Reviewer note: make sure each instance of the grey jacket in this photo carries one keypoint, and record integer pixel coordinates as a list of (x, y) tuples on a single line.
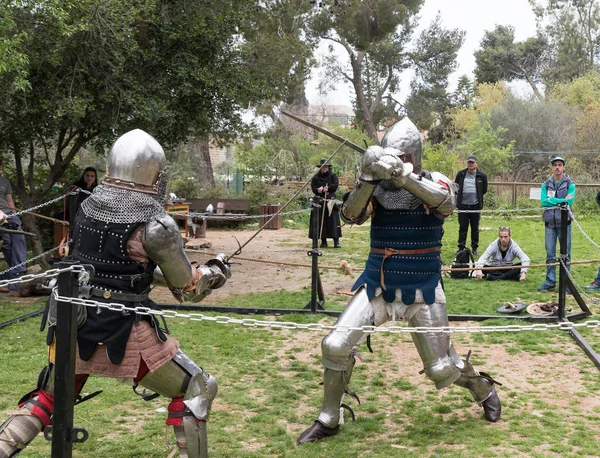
[(492, 256)]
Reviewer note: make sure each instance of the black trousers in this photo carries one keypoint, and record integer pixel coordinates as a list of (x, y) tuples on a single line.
[(508, 274), (464, 220)]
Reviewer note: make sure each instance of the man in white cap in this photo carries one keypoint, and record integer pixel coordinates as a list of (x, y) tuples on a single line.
[(556, 191)]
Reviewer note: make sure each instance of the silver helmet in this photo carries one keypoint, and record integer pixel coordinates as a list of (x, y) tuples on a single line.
[(137, 162), (404, 137)]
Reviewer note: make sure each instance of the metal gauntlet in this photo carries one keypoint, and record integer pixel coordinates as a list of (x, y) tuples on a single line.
[(439, 198)]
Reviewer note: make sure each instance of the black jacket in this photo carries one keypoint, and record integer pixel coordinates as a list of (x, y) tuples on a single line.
[(329, 179), (481, 183)]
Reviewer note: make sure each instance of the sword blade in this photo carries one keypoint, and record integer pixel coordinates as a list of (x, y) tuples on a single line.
[(330, 134)]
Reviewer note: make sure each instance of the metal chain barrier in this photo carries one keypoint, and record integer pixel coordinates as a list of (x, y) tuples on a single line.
[(47, 274), (35, 258), (581, 229), (578, 286), (30, 210), (251, 322), (507, 210)]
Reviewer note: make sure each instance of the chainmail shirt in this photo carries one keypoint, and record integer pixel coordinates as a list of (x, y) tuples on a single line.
[(115, 205), (391, 197)]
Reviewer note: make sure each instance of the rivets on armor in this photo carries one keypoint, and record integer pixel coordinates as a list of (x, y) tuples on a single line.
[(107, 295)]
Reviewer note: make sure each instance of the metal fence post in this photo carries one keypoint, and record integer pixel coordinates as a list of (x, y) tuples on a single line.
[(562, 294), (64, 365), (316, 286)]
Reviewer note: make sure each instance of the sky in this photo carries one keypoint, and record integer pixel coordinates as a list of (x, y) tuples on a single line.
[(473, 16)]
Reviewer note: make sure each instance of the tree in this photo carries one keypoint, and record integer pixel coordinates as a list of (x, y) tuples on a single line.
[(465, 119), (374, 35), (502, 59), (434, 58), (487, 144), (535, 126), (86, 71), (465, 93), (580, 92), (572, 29)]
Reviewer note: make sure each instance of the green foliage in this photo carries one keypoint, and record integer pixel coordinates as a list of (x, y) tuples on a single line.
[(501, 58), (75, 74), (572, 30), (375, 37), (438, 157), (486, 143), (259, 193), (464, 95), (580, 92), (434, 58), (549, 126)]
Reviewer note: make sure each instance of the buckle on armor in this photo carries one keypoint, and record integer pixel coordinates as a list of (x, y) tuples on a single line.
[(85, 291)]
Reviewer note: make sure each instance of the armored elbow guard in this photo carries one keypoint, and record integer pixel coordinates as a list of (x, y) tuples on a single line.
[(356, 208)]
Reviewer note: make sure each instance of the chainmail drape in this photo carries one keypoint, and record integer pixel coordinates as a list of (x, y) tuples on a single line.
[(115, 205)]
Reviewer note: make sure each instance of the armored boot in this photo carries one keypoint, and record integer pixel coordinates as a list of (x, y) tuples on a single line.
[(335, 385), (481, 386), (18, 431)]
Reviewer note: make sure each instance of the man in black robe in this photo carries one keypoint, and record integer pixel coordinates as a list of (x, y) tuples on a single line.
[(324, 185)]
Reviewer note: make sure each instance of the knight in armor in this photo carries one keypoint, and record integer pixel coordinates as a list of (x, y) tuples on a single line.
[(122, 230), (402, 278)]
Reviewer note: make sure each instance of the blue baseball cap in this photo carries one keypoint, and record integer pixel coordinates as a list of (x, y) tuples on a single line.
[(558, 158)]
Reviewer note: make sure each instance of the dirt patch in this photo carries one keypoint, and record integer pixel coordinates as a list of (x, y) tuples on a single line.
[(273, 260)]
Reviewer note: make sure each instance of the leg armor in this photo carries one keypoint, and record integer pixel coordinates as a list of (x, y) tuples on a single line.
[(192, 391), (337, 348), (433, 347), (443, 365), (35, 412)]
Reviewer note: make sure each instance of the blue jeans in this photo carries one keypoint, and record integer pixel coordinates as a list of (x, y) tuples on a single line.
[(597, 279), (14, 250), (552, 235)]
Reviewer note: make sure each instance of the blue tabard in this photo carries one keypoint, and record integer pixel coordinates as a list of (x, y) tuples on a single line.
[(404, 230)]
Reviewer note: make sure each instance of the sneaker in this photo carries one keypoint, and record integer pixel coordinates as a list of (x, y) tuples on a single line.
[(546, 287), (568, 291), (475, 253), (324, 244), (593, 286)]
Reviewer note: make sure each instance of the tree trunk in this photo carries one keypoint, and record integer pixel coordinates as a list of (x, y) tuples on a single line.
[(200, 160), (361, 99), (536, 91)]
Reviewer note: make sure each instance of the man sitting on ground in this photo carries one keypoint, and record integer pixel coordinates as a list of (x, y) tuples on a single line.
[(501, 253)]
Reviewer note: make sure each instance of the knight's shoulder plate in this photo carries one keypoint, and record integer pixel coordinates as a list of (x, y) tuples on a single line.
[(161, 235)]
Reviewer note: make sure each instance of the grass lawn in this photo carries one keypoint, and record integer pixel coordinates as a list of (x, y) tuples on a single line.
[(269, 379)]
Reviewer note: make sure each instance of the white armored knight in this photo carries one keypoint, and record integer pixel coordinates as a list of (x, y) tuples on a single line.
[(402, 278), (122, 230)]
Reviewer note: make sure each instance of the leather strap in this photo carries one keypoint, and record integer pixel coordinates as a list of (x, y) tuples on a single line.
[(126, 297), (387, 252)]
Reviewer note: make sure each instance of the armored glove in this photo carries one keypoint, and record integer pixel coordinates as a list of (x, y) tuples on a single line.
[(384, 164), (220, 269)]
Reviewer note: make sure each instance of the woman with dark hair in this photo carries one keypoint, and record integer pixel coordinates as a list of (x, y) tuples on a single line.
[(86, 184)]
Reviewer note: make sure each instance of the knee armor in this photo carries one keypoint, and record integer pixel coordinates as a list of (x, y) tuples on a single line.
[(192, 391)]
